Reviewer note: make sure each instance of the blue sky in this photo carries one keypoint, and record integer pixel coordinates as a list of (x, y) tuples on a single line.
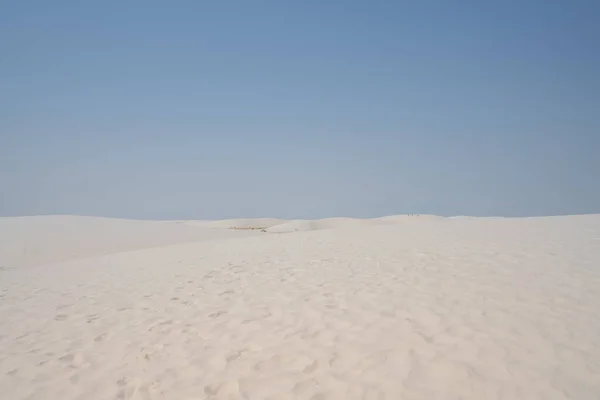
[(198, 109)]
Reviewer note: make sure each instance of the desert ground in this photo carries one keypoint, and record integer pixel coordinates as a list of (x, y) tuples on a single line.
[(399, 308)]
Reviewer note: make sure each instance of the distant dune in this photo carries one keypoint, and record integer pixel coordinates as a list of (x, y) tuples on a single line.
[(399, 307), (27, 241), (37, 240), (247, 223)]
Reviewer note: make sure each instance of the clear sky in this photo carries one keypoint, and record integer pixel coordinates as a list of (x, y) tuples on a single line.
[(217, 109)]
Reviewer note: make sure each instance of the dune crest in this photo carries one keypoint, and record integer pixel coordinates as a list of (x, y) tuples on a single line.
[(39, 240)]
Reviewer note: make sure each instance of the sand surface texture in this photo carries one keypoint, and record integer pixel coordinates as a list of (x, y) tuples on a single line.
[(391, 308)]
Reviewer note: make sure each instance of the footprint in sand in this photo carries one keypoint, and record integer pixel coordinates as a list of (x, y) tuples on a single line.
[(101, 338)]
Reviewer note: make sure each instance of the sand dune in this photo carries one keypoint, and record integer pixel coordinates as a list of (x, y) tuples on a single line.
[(302, 225), (400, 308), (246, 223), (28, 241)]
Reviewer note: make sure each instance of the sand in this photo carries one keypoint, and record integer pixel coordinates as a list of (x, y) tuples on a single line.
[(401, 307)]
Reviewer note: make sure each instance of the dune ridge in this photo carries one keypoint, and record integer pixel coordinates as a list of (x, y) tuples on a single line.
[(38, 240)]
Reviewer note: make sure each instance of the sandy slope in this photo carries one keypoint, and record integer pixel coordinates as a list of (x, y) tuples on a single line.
[(28, 241), (422, 308)]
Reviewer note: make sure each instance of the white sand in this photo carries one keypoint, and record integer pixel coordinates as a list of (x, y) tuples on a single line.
[(28, 241), (393, 308)]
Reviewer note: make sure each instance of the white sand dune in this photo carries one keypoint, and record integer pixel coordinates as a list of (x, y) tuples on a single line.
[(246, 223), (300, 225), (411, 308), (28, 241)]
